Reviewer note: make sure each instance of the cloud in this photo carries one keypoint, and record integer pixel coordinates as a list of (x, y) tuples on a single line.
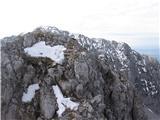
[(95, 18)]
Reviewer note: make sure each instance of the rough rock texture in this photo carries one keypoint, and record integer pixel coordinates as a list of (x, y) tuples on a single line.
[(103, 77)]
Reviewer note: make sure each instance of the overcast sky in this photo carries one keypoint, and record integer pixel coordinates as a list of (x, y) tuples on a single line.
[(131, 21)]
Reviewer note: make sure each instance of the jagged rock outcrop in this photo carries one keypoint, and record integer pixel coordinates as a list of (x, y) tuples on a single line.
[(102, 77)]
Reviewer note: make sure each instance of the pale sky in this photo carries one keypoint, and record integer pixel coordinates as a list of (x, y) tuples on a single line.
[(121, 20)]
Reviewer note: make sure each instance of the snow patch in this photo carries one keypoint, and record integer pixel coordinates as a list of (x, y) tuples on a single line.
[(40, 49), (144, 61), (144, 69), (139, 71), (154, 92), (140, 63), (149, 87), (146, 85), (63, 103), (101, 56), (83, 53), (27, 97), (74, 35), (50, 29), (150, 110), (121, 55)]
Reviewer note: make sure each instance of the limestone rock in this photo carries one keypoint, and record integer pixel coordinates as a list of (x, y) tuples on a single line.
[(110, 81), (48, 104)]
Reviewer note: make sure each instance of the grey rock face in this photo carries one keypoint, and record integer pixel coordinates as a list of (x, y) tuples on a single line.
[(47, 102), (100, 76), (143, 71)]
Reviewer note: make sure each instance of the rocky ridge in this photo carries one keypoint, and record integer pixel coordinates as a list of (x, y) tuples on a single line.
[(102, 76)]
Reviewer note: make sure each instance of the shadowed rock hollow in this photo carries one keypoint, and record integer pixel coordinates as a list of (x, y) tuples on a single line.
[(103, 85)]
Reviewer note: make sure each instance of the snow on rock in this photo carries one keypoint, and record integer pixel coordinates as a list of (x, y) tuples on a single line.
[(144, 62), (149, 87), (154, 92), (63, 103), (144, 69), (140, 63), (27, 97), (146, 84), (150, 110), (50, 29), (101, 56), (139, 71), (121, 55), (83, 53), (74, 35), (40, 49)]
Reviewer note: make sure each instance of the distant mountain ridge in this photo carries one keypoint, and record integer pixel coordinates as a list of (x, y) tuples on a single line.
[(153, 52), (142, 70)]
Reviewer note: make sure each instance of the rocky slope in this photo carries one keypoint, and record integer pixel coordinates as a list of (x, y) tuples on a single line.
[(50, 74)]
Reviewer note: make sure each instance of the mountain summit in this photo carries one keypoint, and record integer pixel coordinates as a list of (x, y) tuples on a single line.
[(50, 74)]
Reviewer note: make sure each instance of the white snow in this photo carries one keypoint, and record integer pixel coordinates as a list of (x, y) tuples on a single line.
[(144, 61), (74, 35), (50, 29), (144, 69), (154, 92), (41, 50), (83, 53), (145, 81), (149, 87), (146, 84), (114, 66), (122, 69), (27, 97), (101, 56), (152, 85), (150, 110), (140, 63), (63, 103), (121, 55), (139, 71)]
